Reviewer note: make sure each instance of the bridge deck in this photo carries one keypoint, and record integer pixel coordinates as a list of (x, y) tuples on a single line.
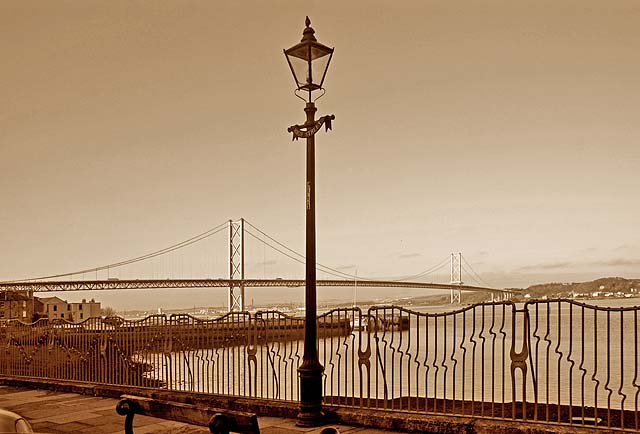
[(112, 284)]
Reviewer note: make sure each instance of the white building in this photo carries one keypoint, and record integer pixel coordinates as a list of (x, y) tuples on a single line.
[(56, 308)]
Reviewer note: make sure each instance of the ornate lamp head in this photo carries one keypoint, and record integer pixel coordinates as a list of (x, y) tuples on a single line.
[(309, 61)]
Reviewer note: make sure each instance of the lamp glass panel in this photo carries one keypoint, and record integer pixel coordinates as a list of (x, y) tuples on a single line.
[(319, 69), (300, 70)]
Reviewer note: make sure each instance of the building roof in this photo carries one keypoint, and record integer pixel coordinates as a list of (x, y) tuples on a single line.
[(15, 295), (50, 299)]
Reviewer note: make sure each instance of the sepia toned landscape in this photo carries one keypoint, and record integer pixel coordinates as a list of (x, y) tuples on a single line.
[(320, 217)]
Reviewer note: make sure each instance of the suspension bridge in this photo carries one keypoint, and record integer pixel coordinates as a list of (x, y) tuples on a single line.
[(236, 280)]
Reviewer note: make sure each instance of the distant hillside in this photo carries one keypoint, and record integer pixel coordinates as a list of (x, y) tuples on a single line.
[(600, 288), (607, 286)]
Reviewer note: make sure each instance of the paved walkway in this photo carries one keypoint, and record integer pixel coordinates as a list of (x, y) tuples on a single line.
[(58, 412)]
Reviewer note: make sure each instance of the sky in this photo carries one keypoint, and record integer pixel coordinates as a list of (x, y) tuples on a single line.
[(506, 130)]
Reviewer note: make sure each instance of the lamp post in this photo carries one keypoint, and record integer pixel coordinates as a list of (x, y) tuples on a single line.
[(309, 61)]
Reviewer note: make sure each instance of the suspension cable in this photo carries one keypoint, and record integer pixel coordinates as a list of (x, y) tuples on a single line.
[(323, 268), (301, 261), (333, 271), (274, 244), (480, 279), (169, 249)]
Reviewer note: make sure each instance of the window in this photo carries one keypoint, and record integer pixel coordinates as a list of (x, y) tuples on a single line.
[(68, 307), (55, 307), (24, 304), (24, 314), (81, 315), (80, 306), (61, 315)]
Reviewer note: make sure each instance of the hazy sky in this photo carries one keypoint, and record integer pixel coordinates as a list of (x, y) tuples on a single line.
[(508, 130)]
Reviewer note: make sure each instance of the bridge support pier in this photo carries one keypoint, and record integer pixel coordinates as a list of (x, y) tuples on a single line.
[(456, 295), (456, 277), (236, 265)]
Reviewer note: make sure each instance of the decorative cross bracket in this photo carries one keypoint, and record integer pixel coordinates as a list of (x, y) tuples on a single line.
[(306, 131)]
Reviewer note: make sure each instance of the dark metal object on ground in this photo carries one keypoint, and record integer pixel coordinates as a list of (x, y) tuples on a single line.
[(218, 421)]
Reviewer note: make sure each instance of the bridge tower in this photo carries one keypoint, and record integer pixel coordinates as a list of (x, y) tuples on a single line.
[(456, 276), (236, 265)]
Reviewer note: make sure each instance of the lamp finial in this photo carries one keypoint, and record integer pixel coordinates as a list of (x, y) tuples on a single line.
[(307, 33)]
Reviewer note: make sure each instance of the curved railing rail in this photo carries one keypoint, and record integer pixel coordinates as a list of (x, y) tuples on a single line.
[(551, 361)]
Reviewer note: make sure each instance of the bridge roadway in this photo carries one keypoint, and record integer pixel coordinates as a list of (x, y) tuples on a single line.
[(111, 284)]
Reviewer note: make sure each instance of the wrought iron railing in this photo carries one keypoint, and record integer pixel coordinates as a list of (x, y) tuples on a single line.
[(559, 362)]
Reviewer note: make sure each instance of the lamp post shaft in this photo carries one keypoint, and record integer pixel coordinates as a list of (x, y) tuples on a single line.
[(310, 347), (310, 371)]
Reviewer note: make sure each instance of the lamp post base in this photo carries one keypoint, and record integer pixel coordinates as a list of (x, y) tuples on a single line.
[(311, 414)]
